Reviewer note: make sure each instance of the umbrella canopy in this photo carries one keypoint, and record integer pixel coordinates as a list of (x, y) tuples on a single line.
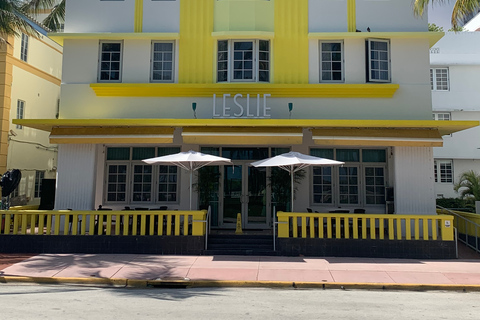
[(190, 161), (293, 162)]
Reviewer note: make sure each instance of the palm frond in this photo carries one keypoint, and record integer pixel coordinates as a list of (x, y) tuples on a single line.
[(462, 9), (12, 21), (56, 18)]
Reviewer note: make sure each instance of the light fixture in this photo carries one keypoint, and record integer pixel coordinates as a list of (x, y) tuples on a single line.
[(194, 108), (290, 108)]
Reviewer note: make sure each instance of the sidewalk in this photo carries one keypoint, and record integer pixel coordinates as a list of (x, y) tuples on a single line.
[(243, 270)]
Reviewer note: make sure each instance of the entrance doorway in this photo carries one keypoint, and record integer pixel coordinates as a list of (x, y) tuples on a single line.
[(245, 191)]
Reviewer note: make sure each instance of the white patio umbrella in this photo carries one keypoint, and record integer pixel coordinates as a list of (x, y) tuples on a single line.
[(293, 162), (190, 161)]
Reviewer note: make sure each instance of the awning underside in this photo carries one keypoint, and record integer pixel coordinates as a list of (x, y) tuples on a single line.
[(421, 133)]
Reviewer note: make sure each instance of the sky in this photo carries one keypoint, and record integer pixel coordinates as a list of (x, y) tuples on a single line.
[(441, 14)]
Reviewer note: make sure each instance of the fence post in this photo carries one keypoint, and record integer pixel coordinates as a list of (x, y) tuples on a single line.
[(282, 224)]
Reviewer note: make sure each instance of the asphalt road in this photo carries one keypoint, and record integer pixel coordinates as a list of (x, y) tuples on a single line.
[(68, 302)]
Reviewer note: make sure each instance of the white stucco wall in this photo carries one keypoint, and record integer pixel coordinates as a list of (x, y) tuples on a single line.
[(327, 16), (414, 190), (76, 178), (84, 16), (377, 15), (161, 16)]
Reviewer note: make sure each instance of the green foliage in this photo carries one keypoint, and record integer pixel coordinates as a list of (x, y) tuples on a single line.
[(469, 186), (280, 183), (460, 11), (457, 29), (451, 203), (432, 27), (207, 185)]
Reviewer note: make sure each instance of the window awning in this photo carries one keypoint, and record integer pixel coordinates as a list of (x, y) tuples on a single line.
[(111, 135), (378, 137), (242, 136)]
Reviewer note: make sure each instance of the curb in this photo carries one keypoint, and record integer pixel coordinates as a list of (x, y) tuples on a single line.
[(106, 282)]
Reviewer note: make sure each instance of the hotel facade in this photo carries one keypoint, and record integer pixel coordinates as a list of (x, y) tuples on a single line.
[(341, 79)]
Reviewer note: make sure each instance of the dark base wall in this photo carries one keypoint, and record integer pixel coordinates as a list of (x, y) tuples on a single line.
[(181, 245), (400, 249)]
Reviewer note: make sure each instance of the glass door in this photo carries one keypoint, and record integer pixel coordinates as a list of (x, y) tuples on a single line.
[(257, 198), (232, 193), (245, 191)]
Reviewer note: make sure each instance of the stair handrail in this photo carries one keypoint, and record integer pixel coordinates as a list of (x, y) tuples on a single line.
[(466, 222), (207, 227)]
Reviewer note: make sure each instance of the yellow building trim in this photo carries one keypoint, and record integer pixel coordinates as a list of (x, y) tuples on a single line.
[(138, 24), (432, 37), (352, 15), (60, 37), (242, 136), (196, 55), (239, 35), (323, 90), (6, 72), (443, 127), (290, 48), (35, 71)]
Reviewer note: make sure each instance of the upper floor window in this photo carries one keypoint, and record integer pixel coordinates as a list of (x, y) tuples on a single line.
[(110, 62), (24, 48), (439, 79), (331, 61), (243, 60), (162, 62), (378, 60), (443, 171), (442, 116), (20, 112)]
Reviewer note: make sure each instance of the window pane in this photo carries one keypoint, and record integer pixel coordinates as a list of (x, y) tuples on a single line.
[(374, 155), (322, 153), (348, 155), (118, 153)]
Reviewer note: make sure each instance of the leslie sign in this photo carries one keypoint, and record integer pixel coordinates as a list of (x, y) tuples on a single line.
[(240, 106)]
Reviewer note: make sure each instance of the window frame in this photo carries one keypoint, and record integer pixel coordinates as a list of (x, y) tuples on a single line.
[(152, 61), (20, 112), (438, 115), (439, 176), (361, 166), (130, 180), (369, 43), (39, 176), (100, 61), (342, 61), (24, 47), (434, 79), (255, 61)]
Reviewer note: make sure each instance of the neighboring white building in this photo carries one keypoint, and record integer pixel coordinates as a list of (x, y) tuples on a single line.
[(30, 72), (455, 69), (246, 80)]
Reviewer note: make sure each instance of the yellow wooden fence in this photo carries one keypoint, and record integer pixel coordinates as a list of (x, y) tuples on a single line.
[(365, 226), (119, 223)]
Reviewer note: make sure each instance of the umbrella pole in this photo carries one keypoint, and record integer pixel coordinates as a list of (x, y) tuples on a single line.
[(291, 177), (191, 182)]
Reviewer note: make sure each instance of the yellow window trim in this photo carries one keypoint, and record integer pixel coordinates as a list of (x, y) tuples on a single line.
[(323, 90), (432, 37)]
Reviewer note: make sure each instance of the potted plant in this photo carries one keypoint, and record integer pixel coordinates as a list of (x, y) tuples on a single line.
[(281, 187)]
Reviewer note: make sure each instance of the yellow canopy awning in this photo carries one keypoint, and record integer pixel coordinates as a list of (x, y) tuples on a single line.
[(249, 131), (379, 137)]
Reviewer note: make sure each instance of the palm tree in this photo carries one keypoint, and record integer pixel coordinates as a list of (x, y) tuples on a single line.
[(56, 17), (470, 185), (12, 22), (461, 9)]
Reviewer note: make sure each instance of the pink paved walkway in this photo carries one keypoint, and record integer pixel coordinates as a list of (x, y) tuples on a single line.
[(247, 268)]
